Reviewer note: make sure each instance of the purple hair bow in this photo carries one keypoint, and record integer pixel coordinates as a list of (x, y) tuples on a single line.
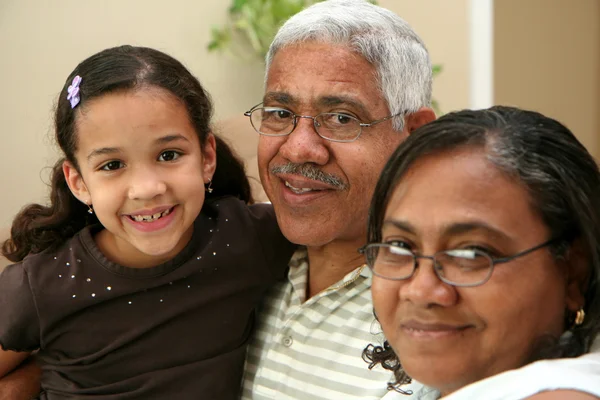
[(73, 90)]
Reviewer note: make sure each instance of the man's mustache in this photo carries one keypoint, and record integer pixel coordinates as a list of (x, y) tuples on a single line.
[(310, 171)]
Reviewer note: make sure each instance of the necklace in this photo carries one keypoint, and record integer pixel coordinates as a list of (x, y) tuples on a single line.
[(349, 281)]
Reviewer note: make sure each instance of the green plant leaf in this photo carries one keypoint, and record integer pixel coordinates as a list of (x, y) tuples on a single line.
[(283, 10), (220, 38), (237, 6)]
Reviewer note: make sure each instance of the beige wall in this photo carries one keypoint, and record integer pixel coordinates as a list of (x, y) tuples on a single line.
[(42, 41), (547, 58), (443, 26)]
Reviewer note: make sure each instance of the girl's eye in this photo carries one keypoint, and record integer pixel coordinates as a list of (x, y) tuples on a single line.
[(112, 166), (169, 155)]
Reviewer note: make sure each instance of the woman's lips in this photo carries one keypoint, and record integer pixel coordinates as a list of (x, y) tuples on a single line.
[(432, 330)]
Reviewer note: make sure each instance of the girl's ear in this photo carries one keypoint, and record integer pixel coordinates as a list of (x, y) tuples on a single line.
[(209, 158), (76, 183), (577, 275)]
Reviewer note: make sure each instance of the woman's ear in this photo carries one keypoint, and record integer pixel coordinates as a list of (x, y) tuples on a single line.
[(209, 158), (422, 116), (577, 274), (76, 183)]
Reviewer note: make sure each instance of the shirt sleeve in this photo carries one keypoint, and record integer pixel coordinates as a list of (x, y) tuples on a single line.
[(581, 374), (19, 322), (277, 249)]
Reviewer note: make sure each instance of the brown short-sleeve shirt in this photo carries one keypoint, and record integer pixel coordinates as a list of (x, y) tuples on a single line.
[(177, 330)]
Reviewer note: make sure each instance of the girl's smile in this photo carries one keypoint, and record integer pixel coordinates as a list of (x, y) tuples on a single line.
[(153, 220)]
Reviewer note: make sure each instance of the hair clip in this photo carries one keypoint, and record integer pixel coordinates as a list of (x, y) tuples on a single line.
[(73, 90)]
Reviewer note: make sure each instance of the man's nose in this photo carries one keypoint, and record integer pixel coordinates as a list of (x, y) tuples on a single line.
[(305, 145)]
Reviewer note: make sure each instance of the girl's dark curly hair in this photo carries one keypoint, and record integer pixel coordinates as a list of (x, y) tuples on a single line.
[(38, 227), (560, 175)]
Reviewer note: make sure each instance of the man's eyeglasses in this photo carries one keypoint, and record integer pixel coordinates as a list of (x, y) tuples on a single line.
[(337, 127), (457, 267)]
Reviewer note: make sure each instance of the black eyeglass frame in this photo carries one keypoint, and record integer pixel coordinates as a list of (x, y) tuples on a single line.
[(436, 266), (315, 123)]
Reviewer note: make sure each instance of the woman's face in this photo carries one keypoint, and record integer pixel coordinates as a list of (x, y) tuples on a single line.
[(445, 336)]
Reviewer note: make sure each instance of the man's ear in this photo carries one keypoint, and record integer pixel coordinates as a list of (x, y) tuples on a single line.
[(76, 183), (209, 157), (419, 118), (577, 274)]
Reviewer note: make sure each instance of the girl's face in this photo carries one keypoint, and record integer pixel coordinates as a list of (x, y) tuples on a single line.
[(143, 171), (446, 336)]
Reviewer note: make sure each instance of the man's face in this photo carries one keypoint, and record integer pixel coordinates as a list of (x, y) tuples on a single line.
[(309, 79)]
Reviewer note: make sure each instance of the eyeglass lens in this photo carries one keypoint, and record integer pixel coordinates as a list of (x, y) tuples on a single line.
[(460, 266), (278, 121)]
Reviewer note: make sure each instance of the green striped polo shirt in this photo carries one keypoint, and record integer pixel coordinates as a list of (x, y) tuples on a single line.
[(313, 349)]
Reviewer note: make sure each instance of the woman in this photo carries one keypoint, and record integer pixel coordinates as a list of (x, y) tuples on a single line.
[(484, 242)]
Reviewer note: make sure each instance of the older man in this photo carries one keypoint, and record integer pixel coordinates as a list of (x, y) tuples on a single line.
[(346, 82)]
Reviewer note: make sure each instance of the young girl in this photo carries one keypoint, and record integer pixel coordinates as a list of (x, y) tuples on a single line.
[(134, 282)]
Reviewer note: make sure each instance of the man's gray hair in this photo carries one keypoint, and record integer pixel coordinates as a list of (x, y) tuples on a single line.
[(384, 39)]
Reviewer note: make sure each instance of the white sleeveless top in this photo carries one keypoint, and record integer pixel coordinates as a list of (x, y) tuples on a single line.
[(581, 374)]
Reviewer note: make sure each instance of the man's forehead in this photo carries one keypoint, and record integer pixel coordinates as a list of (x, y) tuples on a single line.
[(318, 75)]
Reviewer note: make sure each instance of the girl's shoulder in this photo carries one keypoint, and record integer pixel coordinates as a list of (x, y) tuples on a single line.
[(229, 219), (230, 214), (46, 259), (229, 206)]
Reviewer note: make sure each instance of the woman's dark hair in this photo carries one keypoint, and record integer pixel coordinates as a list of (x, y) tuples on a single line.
[(560, 176), (123, 68)]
